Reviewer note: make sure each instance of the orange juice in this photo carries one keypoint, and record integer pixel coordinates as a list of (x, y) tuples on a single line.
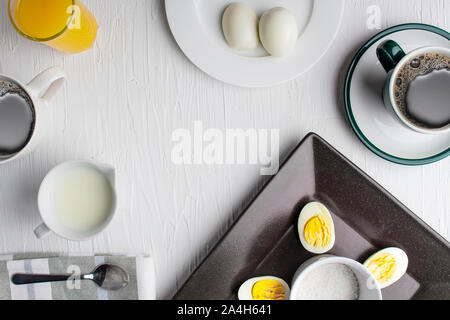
[(66, 25)]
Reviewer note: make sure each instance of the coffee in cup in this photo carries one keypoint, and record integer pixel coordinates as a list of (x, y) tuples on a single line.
[(422, 90), (417, 89)]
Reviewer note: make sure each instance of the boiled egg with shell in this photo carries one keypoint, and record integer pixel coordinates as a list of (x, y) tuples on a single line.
[(264, 288), (278, 31), (387, 265), (240, 27), (316, 228)]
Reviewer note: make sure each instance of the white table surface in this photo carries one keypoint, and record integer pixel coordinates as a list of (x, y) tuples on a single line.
[(123, 100)]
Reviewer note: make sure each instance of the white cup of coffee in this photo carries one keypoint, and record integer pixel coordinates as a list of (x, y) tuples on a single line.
[(417, 89), (77, 200), (24, 114)]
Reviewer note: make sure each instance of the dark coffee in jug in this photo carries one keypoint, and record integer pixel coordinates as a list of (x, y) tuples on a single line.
[(17, 117)]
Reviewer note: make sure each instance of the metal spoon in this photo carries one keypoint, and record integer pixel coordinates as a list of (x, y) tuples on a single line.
[(106, 276)]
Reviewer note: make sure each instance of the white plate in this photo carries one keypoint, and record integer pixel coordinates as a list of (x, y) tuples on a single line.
[(196, 26), (375, 127)]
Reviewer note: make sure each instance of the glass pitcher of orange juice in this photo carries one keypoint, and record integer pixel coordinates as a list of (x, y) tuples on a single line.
[(66, 25)]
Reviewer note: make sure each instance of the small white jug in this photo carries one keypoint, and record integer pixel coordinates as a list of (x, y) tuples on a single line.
[(51, 219), (40, 90)]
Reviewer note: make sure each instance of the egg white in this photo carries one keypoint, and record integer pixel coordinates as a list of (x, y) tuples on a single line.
[(310, 210), (402, 264), (278, 31), (240, 27), (245, 290)]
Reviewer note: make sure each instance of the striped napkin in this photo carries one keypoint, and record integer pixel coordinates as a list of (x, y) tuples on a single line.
[(140, 269)]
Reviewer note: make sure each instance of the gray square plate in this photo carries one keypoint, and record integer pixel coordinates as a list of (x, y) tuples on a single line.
[(264, 240)]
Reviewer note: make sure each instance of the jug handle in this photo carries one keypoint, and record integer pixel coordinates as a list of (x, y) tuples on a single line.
[(47, 83), (108, 171)]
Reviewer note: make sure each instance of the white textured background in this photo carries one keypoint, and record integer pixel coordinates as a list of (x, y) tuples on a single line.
[(124, 98)]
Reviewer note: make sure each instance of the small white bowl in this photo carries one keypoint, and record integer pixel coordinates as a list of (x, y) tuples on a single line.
[(368, 286)]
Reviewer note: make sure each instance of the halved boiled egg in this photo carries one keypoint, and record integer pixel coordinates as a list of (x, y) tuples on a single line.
[(264, 288), (387, 265), (316, 228)]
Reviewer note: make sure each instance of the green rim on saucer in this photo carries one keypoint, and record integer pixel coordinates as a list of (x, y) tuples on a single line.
[(348, 106)]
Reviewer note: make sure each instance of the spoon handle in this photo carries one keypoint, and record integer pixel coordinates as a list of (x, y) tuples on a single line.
[(27, 278)]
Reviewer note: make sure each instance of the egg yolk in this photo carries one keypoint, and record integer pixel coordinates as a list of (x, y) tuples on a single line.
[(383, 267), (317, 231), (268, 290)]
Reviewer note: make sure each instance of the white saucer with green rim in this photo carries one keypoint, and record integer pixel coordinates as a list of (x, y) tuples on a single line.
[(197, 28), (374, 126)]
